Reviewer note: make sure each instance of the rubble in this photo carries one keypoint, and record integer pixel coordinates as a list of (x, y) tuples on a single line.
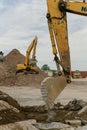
[(83, 110), (73, 122), (66, 118), (23, 125), (53, 126)]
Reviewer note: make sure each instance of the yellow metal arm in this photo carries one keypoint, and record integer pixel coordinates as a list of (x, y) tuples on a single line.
[(52, 36), (32, 47), (57, 23), (73, 7)]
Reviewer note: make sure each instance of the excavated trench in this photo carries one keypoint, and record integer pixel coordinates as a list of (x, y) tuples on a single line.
[(60, 113)]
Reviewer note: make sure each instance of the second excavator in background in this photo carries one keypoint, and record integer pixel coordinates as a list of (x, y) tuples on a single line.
[(30, 64), (1, 56), (57, 10)]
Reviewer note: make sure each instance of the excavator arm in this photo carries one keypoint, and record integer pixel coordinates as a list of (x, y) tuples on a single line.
[(57, 23), (59, 36), (31, 48)]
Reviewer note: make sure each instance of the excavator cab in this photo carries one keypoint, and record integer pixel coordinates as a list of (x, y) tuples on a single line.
[(30, 64), (33, 62)]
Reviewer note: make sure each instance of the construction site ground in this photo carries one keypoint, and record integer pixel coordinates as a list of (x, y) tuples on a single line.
[(30, 104), (29, 96), (21, 100)]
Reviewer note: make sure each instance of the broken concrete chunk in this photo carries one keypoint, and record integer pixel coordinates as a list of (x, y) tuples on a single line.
[(53, 126), (23, 125), (83, 110), (5, 106), (73, 122)]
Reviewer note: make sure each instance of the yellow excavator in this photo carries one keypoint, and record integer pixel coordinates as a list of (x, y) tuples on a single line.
[(29, 65), (57, 10)]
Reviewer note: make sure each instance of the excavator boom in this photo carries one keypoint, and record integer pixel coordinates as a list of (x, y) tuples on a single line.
[(58, 31), (32, 47), (57, 24)]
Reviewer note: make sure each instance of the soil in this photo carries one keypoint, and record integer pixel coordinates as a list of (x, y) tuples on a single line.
[(8, 78), (8, 75), (61, 112), (40, 114)]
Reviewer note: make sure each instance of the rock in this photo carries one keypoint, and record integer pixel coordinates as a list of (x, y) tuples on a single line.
[(23, 125), (0, 118), (14, 109), (8, 99), (53, 126), (5, 106), (84, 128), (81, 128), (73, 122), (51, 115), (82, 103), (83, 110), (3, 97), (69, 113), (73, 105)]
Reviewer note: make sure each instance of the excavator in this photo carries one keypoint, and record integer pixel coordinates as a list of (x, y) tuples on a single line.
[(56, 16), (1, 56), (29, 65)]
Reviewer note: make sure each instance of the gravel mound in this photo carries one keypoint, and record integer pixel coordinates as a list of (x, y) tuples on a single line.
[(8, 70)]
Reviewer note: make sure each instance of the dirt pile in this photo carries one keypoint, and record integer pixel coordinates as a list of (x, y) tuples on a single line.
[(12, 59), (8, 70)]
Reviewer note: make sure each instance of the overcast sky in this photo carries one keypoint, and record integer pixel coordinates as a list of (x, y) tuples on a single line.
[(21, 20)]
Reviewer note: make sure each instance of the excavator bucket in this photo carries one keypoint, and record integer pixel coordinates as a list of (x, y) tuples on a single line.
[(51, 87)]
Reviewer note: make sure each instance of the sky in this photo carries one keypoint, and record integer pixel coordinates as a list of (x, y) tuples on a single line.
[(22, 20)]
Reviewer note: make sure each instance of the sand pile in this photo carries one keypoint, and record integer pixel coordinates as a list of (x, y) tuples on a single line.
[(12, 59), (8, 70)]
